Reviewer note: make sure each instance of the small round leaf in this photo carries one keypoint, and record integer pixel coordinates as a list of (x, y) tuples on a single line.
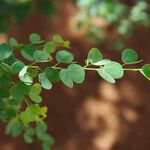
[(106, 76), (129, 56), (76, 73), (65, 78), (114, 69), (34, 38), (94, 55), (64, 56), (5, 51), (49, 47), (41, 56), (17, 67), (146, 71)]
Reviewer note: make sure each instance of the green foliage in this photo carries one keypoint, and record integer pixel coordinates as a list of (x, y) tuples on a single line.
[(21, 81), (145, 70), (120, 15), (45, 82), (28, 51), (18, 10)]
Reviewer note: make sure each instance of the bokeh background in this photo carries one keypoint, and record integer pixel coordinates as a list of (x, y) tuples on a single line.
[(95, 115)]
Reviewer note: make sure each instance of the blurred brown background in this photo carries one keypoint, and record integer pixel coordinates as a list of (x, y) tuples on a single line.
[(95, 115)]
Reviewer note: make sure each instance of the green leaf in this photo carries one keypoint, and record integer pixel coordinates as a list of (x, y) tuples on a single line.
[(19, 90), (17, 130), (10, 60), (76, 73), (35, 98), (49, 47), (52, 74), (5, 51), (5, 67), (106, 76), (17, 67), (16, 95), (5, 81), (4, 93), (111, 71), (41, 56), (33, 71), (64, 56), (28, 135), (65, 78), (23, 71), (45, 82), (13, 42), (66, 44), (43, 111), (36, 88), (23, 88), (33, 113), (145, 70), (114, 69), (26, 79), (41, 129), (34, 93), (28, 52), (58, 39), (129, 56), (14, 128), (34, 38), (3, 105), (102, 62), (24, 76), (94, 55)]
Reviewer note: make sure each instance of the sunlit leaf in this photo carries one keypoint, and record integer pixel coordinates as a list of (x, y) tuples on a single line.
[(106, 76), (45, 82), (94, 55), (65, 78), (76, 73)]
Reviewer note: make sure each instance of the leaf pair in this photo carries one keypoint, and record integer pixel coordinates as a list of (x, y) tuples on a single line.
[(31, 53), (111, 71), (129, 56), (14, 128), (35, 90), (19, 91), (73, 73), (33, 113), (58, 39)]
